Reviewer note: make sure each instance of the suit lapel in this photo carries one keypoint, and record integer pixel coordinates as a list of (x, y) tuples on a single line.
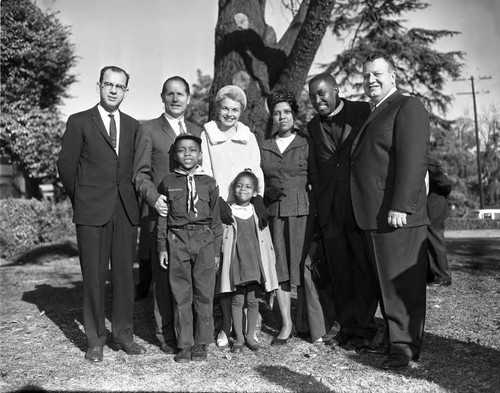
[(97, 120), (125, 135), (165, 126), (323, 134), (373, 114), (190, 127)]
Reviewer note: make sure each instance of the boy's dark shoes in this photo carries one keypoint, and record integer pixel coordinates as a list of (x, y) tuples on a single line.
[(168, 348), (226, 215), (184, 356), (199, 353), (261, 211), (237, 348), (94, 354), (395, 361), (132, 348)]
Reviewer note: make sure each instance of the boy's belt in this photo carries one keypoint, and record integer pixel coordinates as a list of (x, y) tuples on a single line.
[(193, 227)]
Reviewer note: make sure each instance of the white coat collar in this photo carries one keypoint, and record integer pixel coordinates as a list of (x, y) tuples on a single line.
[(216, 136)]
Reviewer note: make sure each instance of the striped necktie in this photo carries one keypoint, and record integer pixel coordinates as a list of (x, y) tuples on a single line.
[(181, 128)]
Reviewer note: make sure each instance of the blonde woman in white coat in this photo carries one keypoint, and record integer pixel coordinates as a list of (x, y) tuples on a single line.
[(229, 147)]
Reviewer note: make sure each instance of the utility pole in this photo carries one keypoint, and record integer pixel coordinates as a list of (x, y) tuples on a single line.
[(478, 152)]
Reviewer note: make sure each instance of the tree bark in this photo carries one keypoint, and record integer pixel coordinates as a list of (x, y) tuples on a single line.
[(247, 54)]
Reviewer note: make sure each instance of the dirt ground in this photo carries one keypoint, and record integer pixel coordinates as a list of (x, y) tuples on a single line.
[(43, 343)]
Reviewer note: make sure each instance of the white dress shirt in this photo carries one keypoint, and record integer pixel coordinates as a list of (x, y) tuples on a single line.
[(174, 123), (107, 120)]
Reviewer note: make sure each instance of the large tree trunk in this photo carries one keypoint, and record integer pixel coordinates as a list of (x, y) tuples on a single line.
[(247, 54)]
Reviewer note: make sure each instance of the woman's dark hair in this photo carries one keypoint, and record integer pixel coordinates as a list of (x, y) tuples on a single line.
[(282, 96)]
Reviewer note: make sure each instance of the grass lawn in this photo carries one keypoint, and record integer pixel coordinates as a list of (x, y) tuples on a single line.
[(42, 340)]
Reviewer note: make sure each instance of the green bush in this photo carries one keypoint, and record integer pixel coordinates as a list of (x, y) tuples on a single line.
[(454, 224), (25, 223)]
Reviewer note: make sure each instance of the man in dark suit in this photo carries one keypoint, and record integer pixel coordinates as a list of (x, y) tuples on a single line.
[(438, 269), (95, 166), (332, 131), (388, 167), (153, 161)]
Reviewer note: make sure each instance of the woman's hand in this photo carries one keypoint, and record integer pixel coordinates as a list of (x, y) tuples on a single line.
[(163, 256), (274, 194)]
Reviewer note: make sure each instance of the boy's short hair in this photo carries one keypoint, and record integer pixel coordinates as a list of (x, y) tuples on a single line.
[(186, 135)]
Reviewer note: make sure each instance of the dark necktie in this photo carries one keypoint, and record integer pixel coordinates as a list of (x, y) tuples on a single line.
[(112, 131), (181, 128)]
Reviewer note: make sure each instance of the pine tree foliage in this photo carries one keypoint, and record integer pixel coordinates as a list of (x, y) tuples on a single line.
[(421, 70)]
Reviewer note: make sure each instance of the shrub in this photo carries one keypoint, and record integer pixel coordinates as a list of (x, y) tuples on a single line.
[(25, 223), (454, 224)]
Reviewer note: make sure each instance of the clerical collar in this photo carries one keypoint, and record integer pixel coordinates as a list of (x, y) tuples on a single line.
[(337, 110)]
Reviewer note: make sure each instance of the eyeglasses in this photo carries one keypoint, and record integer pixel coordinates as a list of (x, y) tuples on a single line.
[(109, 86)]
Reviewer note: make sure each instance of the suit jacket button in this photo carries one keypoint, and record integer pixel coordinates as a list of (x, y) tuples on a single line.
[(118, 183)]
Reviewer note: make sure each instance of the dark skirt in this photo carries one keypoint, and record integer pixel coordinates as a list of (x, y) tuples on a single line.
[(291, 238), (246, 266)]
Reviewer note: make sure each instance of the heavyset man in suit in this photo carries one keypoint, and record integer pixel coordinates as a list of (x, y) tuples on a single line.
[(388, 168), (153, 161), (95, 166), (332, 131)]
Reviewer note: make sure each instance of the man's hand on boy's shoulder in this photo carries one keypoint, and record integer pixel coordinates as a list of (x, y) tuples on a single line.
[(217, 264), (161, 206)]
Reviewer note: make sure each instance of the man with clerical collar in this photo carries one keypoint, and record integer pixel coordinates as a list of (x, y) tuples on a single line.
[(332, 132)]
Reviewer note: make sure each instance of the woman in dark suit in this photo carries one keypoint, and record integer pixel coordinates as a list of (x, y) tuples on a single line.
[(285, 160)]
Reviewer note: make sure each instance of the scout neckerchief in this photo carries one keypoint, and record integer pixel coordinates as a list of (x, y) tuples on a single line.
[(192, 198)]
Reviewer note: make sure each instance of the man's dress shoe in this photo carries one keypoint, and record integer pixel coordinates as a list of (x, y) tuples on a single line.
[(132, 348), (94, 354), (395, 361), (341, 339), (367, 347)]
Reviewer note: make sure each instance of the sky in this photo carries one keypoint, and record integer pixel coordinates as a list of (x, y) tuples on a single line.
[(155, 39)]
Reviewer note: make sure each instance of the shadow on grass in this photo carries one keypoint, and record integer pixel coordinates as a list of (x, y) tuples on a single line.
[(290, 380), (452, 364), (64, 306), (480, 257), (46, 253)]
